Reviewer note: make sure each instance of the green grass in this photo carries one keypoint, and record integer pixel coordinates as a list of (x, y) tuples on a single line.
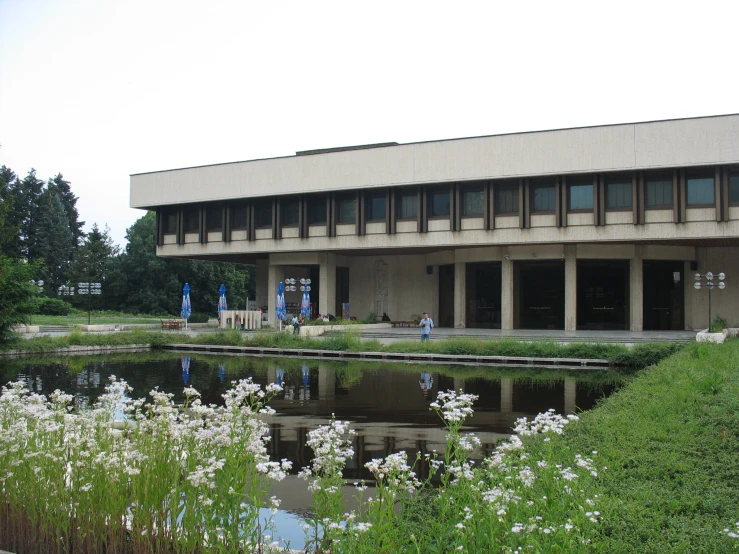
[(670, 440), (639, 356), (94, 320)]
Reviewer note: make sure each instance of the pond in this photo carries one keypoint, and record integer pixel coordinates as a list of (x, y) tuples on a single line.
[(387, 403)]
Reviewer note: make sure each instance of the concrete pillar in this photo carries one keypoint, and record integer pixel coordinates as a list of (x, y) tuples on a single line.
[(570, 395), (272, 374), (276, 274), (570, 252), (506, 293), (460, 295), (326, 385), (636, 290), (262, 283), (459, 384), (327, 292), (506, 395)]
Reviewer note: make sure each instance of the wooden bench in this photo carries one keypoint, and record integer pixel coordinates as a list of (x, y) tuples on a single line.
[(404, 323), (171, 324)]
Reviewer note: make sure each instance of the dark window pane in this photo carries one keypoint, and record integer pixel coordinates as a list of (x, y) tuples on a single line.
[(347, 210), (544, 199), (473, 202), (214, 218), (317, 211), (169, 221), (506, 200), (581, 197), (439, 204), (618, 195), (192, 219), (263, 214), (376, 208), (407, 206), (700, 190), (238, 214), (734, 188), (289, 215), (659, 193)]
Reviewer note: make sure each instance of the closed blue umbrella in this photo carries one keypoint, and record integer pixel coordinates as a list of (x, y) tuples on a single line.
[(222, 300), (280, 312), (186, 369), (222, 372), (186, 310), (305, 304)]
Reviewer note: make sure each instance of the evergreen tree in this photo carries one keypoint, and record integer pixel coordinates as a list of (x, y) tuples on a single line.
[(53, 240), (69, 200), (27, 211), (93, 258), (9, 227)]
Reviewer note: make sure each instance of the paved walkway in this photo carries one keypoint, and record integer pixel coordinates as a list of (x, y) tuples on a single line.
[(628, 337)]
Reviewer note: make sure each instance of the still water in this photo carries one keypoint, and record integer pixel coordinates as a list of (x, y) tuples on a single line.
[(388, 403)]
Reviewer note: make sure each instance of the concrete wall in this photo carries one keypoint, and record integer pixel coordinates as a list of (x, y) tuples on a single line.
[(723, 302), (699, 141)]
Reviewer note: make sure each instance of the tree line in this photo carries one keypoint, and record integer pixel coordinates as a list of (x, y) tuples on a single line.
[(42, 238)]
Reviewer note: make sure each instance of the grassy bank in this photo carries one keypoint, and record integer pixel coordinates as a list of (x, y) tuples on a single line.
[(670, 441), (641, 355)]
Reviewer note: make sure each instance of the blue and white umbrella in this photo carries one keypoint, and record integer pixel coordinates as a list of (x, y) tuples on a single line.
[(222, 306), (305, 304), (186, 369), (222, 372), (280, 312), (186, 310)]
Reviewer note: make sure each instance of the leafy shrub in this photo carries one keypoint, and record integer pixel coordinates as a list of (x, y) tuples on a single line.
[(199, 318), (223, 337), (53, 306), (718, 324)]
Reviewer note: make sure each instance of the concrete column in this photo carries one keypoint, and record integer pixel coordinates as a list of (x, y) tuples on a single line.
[(570, 252), (506, 395), (326, 385), (570, 395), (276, 274), (636, 290), (272, 374), (506, 292), (460, 295), (327, 292), (459, 384)]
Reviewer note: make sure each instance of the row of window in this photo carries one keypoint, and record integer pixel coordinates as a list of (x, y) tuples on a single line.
[(618, 196)]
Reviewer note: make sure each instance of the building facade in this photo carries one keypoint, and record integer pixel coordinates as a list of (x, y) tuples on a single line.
[(587, 228)]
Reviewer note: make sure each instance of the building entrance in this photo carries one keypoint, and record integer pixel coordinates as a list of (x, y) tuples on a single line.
[(483, 284), (541, 294), (446, 296), (603, 294), (664, 296)]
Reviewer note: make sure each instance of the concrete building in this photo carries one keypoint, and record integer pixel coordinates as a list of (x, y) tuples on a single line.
[(587, 228)]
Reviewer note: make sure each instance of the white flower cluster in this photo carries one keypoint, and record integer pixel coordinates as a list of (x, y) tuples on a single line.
[(394, 472), (548, 422), (454, 407), (331, 448), (733, 534)]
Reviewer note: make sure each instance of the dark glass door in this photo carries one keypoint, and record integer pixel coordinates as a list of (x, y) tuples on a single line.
[(664, 296), (541, 295), (446, 296)]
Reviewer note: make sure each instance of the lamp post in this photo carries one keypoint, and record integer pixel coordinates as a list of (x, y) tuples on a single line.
[(89, 289), (40, 285), (291, 286), (710, 285)]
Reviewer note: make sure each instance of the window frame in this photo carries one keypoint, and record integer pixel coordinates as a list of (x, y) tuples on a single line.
[(658, 178), (532, 191), (209, 210), (169, 215), (267, 203), (312, 203), (368, 199), (624, 180), (574, 184), (476, 190), (239, 208), (733, 174), (346, 198), (700, 176), (515, 191), (186, 212), (285, 203), (438, 191), (399, 204)]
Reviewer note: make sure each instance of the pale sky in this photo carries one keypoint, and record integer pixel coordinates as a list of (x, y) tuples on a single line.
[(101, 89)]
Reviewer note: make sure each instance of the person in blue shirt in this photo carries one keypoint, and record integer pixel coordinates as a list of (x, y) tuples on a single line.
[(426, 325)]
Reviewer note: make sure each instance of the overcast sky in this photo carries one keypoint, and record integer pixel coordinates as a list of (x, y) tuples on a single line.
[(101, 89)]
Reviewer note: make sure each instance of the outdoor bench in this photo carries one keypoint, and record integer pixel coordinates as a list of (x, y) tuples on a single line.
[(172, 324)]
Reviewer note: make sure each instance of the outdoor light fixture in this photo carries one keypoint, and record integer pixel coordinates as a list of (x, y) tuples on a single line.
[(562, 256), (710, 285), (89, 289), (507, 256), (40, 285)]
